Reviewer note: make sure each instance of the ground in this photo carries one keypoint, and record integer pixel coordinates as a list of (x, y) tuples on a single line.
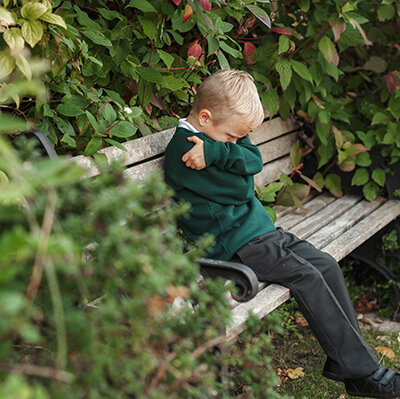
[(301, 349)]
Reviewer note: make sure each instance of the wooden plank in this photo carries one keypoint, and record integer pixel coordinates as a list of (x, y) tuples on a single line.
[(277, 148), (271, 129), (313, 206), (343, 223), (272, 171), (363, 230), (140, 172), (313, 223), (265, 302), (138, 150)]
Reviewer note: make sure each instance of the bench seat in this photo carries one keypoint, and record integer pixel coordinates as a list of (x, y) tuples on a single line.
[(334, 225)]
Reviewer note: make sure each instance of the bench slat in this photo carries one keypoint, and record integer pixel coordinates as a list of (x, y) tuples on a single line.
[(141, 171), (271, 129), (313, 223), (265, 302), (363, 230), (277, 148), (296, 216), (272, 171), (343, 223)]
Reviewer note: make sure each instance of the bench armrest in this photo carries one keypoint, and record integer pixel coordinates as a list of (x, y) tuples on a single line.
[(244, 278)]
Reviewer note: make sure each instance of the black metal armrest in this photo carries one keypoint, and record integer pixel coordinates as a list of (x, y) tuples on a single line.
[(244, 278), (46, 144)]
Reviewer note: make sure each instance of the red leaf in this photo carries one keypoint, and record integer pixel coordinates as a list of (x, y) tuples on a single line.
[(148, 108), (177, 2), (282, 31), (187, 13), (195, 50), (392, 80), (206, 5), (249, 51), (250, 21)]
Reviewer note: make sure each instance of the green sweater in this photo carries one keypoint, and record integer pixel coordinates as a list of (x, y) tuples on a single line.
[(221, 195)]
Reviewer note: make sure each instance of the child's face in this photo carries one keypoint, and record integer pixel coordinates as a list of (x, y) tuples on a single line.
[(229, 130)]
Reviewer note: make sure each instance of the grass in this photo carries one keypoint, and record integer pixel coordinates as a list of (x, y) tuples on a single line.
[(301, 349), (295, 346)]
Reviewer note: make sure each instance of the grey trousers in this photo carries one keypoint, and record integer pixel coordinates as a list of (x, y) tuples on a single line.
[(315, 280)]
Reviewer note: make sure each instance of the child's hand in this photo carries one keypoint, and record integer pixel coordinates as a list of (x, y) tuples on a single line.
[(195, 157)]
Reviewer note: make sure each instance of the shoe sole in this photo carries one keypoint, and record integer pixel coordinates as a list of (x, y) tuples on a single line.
[(368, 395)]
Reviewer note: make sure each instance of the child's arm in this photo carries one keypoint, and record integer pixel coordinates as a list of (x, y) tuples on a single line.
[(242, 158), (195, 158)]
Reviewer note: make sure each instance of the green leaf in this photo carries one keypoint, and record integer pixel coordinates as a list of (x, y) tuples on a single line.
[(363, 159), (7, 64), (11, 124), (375, 64), (69, 110), (319, 179), (110, 14), (385, 12), (148, 26), (260, 14), (379, 176), (271, 212), (33, 10), (6, 17), (360, 177), (109, 114), (65, 127), (68, 140), (295, 154), (97, 38), (223, 62), (150, 75), (53, 19), (381, 117), (93, 146), (93, 121), (142, 5), (123, 129), (334, 185), (328, 50), (283, 67), (166, 57), (14, 39), (268, 193), (32, 31), (115, 97), (116, 144), (23, 65), (371, 191), (271, 100), (284, 44), (302, 70)]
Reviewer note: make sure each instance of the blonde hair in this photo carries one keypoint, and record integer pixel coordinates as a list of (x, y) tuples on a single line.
[(228, 92)]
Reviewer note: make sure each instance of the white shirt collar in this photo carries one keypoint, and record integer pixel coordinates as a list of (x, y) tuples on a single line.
[(185, 124)]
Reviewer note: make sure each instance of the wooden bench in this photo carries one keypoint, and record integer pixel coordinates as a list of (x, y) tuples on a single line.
[(336, 226)]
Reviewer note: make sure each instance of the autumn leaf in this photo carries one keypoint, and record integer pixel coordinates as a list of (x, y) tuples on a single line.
[(176, 291), (195, 50), (392, 80), (249, 51), (293, 374), (206, 5), (282, 31), (177, 2), (187, 13), (385, 351)]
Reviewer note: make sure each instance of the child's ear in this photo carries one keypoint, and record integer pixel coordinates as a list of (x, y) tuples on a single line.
[(204, 116)]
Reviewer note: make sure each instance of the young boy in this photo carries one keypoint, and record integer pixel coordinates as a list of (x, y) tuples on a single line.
[(210, 162)]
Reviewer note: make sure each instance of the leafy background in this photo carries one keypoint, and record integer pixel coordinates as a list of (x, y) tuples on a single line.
[(93, 73)]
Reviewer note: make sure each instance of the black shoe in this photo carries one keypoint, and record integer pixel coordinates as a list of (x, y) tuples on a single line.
[(383, 383)]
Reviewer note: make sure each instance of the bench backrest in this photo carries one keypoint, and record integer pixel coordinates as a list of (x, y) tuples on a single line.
[(144, 155)]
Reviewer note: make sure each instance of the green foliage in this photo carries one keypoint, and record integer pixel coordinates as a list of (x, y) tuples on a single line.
[(119, 70), (97, 298)]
